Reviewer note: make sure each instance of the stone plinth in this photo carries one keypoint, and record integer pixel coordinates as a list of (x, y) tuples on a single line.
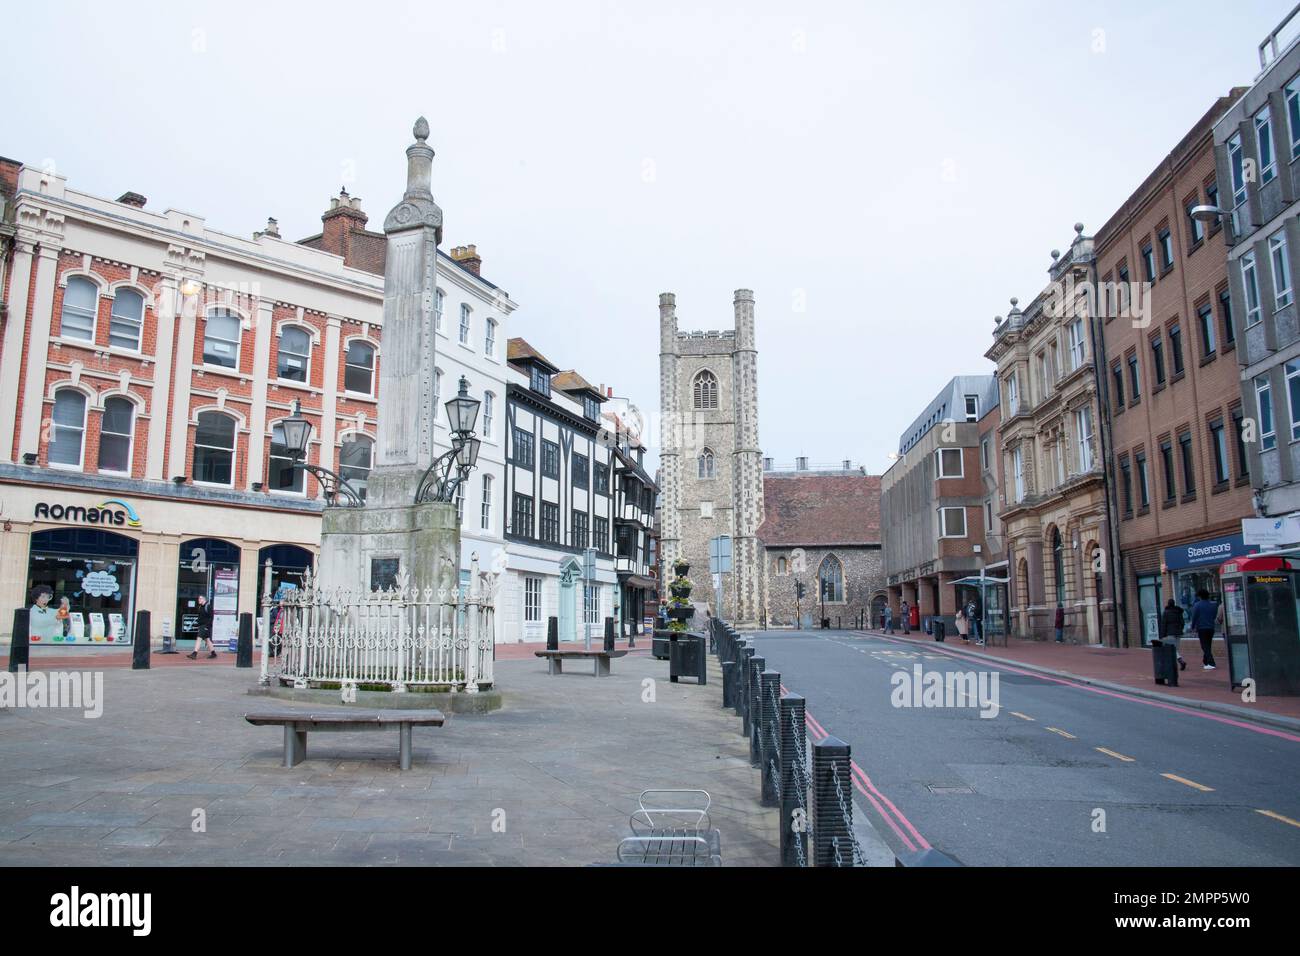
[(424, 539)]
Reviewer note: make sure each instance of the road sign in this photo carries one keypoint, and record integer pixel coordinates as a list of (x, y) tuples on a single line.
[(720, 554), (589, 563)]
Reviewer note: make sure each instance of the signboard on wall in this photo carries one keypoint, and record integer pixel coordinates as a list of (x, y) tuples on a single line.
[(225, 604), (1271, 532)]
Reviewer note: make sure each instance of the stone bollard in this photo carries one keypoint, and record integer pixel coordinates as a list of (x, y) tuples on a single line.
[(832, 824), (552, 634), (142, 643), (244, 646), (794, 795), (752, 713), (609, 634), (769, 690), (20, 647)]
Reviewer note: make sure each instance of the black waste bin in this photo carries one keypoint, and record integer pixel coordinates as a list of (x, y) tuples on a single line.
[(686, 657), (1164, 661), (940, 629)]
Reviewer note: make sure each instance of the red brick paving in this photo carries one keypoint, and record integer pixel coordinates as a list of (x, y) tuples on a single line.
[(1125, 666)]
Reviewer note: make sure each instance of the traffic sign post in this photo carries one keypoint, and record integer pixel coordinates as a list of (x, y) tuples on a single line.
[(719, 564), (588, 577)]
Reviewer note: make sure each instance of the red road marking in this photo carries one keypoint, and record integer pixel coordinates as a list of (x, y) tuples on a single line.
[(958, 655)]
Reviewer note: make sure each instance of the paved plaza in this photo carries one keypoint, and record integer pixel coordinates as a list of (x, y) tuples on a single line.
[(558, 769)]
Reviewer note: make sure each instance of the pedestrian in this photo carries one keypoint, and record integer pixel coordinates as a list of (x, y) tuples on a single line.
[(976, 618), (1204, 614), (906, 612), (1060, 623), (204, 623), (64, 615), (1171, 628), (889, 619), (963, 624)]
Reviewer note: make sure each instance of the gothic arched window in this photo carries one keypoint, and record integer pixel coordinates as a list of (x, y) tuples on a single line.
[(707, 464), (831, 576), (706, 390)]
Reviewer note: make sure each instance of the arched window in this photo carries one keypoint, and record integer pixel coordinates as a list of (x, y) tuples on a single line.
[(214, 449), (80, 302), (69, 420), (438, 300), (707, 464), (706, 390), (489, 401), (485, 508), (294, 354), (115, 433), (281, 475), (221, 339), (355, 459), (1058, 559), (127, 320), (490, 338), (831, 578), (359, 372)]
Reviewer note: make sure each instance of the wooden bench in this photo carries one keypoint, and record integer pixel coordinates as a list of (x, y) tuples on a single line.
[(555, 659), (297, 724), (672, 836)]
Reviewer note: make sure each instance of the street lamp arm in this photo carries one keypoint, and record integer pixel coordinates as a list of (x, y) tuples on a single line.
[(437, 482), (334, 485)]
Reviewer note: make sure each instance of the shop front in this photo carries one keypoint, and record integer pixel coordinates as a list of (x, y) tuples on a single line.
[(1190, 568), (110, 554)]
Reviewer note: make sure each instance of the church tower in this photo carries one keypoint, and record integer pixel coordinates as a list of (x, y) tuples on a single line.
[(711, 465)]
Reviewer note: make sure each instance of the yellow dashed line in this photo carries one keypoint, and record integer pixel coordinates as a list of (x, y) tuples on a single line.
[(1058, 730), (1016, 713), (1278, 816), (1111, 753), (1190, 783)]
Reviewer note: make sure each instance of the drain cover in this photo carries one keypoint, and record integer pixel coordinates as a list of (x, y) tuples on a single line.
[(933, 789)]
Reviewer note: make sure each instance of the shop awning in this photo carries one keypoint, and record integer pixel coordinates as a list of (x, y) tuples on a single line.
[(638, 581), (974, 581)]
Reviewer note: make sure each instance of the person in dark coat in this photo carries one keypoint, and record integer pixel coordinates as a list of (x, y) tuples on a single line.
[(204, 614), (1171, 627), (1205, 615), (1060, 623)]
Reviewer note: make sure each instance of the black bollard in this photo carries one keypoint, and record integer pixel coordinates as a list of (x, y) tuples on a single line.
[(609, 634), (244, 646), (794, 794), (753, 716), (143, 645), (20, 649), (552, 634), (728, 683), (832, 783)]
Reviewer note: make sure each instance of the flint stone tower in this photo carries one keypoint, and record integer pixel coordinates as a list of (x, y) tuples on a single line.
[(711, 463), (360, 547)]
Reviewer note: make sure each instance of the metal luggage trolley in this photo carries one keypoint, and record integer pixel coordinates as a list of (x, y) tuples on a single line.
[(672, 835)]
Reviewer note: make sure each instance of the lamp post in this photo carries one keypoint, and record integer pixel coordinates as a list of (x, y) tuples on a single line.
[(297, 433), (450, 469)]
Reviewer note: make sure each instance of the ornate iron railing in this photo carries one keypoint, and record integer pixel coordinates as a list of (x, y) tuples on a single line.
[(402, 638)]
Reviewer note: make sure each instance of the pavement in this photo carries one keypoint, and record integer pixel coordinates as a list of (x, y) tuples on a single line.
[(1130, 669), (549, 779), (1062, 772)]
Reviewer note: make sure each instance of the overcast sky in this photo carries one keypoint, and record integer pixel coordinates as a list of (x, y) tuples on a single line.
[(883, 176)]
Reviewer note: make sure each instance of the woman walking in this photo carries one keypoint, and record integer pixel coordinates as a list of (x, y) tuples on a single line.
[(204, 623), (963, 625), (1171, 628)]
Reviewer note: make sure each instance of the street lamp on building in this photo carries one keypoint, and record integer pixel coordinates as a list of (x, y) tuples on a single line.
[(1206, 214), (297, 434), (450, 469)]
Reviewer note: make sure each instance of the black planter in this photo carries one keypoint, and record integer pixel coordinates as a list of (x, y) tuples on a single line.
[(682, 568), (681, 613)]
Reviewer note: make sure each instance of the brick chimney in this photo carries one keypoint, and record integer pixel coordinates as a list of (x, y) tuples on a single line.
[(343, 216), (132, 199), (468, 258)]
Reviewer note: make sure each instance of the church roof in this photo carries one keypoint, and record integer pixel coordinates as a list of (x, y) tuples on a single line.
[(810, 510)]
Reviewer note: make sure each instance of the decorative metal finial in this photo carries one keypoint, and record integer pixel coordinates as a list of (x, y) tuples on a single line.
[(1078, 227), (1014, 303), (421, 129)]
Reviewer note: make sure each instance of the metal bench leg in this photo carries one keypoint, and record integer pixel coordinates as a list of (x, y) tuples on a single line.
[(295, 745), (554, 665), (404, 757), (602, 666)]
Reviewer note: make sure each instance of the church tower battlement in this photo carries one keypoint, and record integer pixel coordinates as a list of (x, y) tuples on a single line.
[(711, 473)]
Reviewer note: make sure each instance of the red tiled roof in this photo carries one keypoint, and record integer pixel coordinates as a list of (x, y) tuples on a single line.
[(812, 509)]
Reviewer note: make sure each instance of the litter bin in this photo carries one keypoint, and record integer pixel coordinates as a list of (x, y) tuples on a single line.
[(940, 630), (1164, 662), (686, 657)]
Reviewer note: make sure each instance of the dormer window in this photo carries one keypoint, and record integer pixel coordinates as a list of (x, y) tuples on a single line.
[(541, 382), (591, 408)]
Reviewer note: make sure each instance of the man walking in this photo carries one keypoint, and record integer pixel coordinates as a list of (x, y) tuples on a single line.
[(975, 617), (1060, 623), (1204, 613), (889, 620), (905, 611), (204, 624)]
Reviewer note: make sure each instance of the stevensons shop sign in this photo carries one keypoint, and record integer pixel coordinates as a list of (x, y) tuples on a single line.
[(113, 511)]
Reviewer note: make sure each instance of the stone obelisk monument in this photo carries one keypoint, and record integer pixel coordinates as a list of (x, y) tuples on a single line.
[(364, 547)]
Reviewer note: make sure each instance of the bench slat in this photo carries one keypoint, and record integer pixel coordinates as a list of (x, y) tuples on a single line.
[(343, 715)]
